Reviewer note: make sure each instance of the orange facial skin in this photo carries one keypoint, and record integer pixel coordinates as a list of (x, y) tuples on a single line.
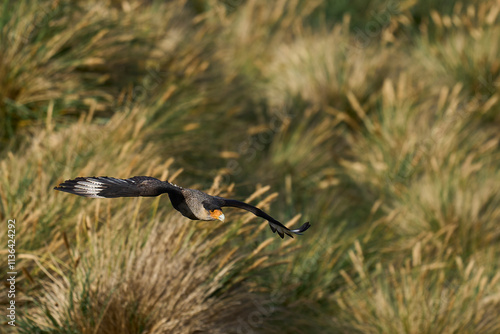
[(217, 215)]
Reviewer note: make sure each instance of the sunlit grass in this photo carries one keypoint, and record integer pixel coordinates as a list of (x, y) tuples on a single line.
[(417, 297), (193, 284)]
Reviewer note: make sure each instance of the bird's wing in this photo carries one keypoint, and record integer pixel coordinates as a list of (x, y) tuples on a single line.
[(109, 187), (275, 225)]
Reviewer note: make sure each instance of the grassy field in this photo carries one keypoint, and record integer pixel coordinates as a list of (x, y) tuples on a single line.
[(377, 121)]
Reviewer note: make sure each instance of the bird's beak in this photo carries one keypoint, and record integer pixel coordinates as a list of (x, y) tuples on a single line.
[(221, 217)]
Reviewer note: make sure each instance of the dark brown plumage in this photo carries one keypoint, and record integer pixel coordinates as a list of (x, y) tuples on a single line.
[(191, 203)]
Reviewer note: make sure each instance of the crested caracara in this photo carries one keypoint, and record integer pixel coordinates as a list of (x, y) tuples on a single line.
[(191, 203)]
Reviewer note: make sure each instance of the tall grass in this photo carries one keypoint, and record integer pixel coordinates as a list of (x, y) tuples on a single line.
[(156, 275), (381, 128), (75, 54)]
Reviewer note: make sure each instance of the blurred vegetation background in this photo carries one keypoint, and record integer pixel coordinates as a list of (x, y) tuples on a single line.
[(377, 121)]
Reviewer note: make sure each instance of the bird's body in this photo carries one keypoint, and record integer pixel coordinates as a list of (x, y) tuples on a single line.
[(191, 203)]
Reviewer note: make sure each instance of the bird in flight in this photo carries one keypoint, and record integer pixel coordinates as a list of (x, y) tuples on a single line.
[(191, 203)]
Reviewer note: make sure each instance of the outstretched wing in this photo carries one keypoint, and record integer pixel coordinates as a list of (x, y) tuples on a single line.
[(109, 187), (275, 225)]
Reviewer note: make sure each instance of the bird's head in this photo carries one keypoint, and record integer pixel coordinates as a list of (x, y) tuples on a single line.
[(214, 212)]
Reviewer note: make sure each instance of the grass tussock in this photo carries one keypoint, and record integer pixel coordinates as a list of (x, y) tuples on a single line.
[(418, 297), (375, 121), (78, 55), (108, 292)]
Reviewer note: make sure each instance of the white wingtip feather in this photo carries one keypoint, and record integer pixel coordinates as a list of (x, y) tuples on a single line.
[(90, 188)]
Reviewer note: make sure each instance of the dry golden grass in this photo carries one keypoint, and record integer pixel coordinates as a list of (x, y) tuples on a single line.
[(157, 277), (79, 55), (418, 297)]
